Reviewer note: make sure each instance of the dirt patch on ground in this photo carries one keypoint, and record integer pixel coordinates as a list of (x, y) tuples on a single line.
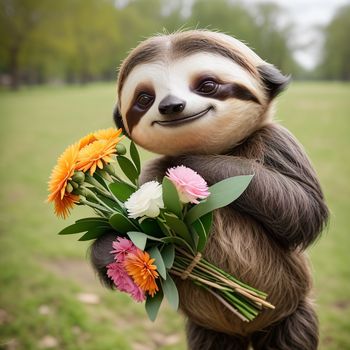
[(342, 304), (76, 270)]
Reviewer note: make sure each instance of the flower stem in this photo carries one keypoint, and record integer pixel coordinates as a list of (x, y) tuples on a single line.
[(230, 277), (115, 177), (92, 181), (93, 205), (220, 272), (238, 288), (86, 192), (104, 193), (242, 305), (229, 306), (178, 272)]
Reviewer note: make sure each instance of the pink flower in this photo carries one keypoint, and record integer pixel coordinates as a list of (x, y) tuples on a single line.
[(123, 282), (189, 184), (117, 273), (138, 294), (122, 247)]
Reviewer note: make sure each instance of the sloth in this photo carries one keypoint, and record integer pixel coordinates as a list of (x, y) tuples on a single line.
[(205, 100)]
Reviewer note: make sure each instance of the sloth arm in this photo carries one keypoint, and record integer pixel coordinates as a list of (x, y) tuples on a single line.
[(284, 196)]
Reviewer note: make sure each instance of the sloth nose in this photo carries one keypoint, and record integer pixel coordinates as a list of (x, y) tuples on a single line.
[(171, 104)]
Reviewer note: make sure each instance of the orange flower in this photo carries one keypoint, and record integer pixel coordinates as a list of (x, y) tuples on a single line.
[(103, 134), (63, 206), (61, 173), (139, 266), (96, 149), (86, 140), (92, 151), (95, 155), (108, 134)]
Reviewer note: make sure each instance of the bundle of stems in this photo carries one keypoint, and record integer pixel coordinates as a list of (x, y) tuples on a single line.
[(244, 301)]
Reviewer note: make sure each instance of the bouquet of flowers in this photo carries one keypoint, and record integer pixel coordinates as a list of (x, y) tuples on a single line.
[(161, 229)]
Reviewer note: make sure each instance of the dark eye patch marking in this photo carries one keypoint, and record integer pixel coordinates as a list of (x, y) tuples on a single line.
[(212, 86), (141, 102), (235, 90)]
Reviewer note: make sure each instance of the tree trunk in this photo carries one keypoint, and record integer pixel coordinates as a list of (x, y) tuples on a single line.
[(14, 68)]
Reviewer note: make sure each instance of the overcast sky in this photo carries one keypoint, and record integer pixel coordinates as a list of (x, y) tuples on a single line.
[(307, 15)]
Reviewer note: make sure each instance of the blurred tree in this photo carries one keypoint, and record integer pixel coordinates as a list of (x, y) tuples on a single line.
[(89, 40), (336, 52), (20, 22), (175, 14), (272, 39), (137, 20), (78, 40), (142, 18), (258, 27), (82, 40), (226, 16)]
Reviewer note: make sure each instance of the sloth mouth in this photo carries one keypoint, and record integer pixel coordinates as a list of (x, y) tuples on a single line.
[(182, 120)]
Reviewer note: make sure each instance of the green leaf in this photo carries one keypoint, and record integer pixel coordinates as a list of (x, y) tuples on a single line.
[(168, 254), (170, 292), (93, 233), (207, 221), (101, 180), (128, 168), (151, 227), (179, 227), (202, 227), (138, 238), (177, 241), (155, 254), (221, 194), (121, 223), (111, 203), (83, 226), (202, 237), (153, 304), (121, 190), (101, 219), (135, 156), (171, 198), (163, 227)]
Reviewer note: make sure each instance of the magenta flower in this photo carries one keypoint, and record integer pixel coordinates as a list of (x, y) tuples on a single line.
[(123, 282), (117, 273), (122, 247), (189, 184), (138, 294)]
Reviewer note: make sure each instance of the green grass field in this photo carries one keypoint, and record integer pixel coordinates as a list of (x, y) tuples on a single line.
[(43, 276)]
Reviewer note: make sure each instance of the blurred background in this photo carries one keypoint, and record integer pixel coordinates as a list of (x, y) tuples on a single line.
[(58, 66), (79, 41)]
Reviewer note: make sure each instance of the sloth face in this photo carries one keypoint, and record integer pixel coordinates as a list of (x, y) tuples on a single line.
[(198, 103)]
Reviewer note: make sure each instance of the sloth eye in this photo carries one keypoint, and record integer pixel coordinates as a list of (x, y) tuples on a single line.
[(144, 100), (207, 87)]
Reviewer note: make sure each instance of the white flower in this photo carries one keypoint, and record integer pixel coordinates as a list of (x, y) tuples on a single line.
[(146, 201)]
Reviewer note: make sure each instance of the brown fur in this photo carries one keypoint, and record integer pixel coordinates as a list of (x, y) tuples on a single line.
[(200, 338), (298, 331), (260, 237)]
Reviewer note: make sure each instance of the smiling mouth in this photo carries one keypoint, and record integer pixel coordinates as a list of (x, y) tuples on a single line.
[(183, 120)]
